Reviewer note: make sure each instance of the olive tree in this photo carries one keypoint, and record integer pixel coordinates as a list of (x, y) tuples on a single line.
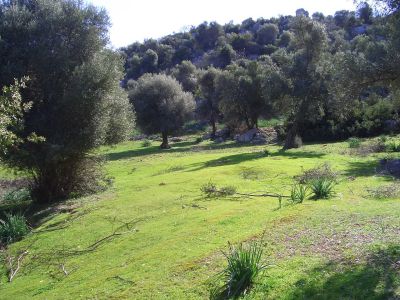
[(208, 106), (74, 90), (161, 105), (303, 69)]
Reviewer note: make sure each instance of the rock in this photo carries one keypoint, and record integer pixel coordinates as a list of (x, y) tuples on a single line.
[(258, 136), (207, 136), (176, 139), (389, 167), (224, 133), (140, 137), (246, 137)]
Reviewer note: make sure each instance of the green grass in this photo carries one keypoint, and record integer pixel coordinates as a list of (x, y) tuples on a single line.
[(172, 236)]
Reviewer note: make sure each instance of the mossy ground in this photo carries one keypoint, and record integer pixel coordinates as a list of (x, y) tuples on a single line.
[(347, 247)]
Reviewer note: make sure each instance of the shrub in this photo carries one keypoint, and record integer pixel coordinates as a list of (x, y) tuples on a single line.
[(354, 142), (393, 147), (18, 195), (244, 265), (385, 192), (210, 189), (198, 140), (146, 143), (13, 228), (323, 171), (298, 193), (322, 188)]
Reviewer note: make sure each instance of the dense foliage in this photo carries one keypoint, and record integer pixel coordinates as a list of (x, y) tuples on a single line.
[(161, 104), (77, 103), (330, 77)]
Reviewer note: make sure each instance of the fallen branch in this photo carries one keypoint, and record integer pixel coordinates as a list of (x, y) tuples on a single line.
[(11, 271)]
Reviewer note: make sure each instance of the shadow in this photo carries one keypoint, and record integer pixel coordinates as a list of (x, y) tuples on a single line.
[(376, 278), (361, 169), (225, 161), (176, 147), (296, 155)]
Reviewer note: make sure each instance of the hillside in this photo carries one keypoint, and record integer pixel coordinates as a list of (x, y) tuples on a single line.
[(154, 235)]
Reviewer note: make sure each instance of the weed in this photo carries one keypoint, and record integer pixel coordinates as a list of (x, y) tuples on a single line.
[(251, 174), (13, 228), (354, 142), (393, 147), (298, 193), (146, 143), (322, 188), (244, 265), (210, 189), (18, 195), (323, 171), (385, 192)]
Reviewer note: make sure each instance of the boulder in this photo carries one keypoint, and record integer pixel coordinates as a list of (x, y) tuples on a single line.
[(246, 137)]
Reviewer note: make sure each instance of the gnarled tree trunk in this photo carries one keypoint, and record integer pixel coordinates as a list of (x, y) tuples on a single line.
[(165, 144)]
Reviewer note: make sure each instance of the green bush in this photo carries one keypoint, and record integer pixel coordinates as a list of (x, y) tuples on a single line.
[(298, 193), (13, 228), (146, 143), (323, 171), (18, 195), (354, 142), (393, 147), (322, 188), (244, 265), (210, 189)]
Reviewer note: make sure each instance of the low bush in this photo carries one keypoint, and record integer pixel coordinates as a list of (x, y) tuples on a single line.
[(354, 142), (322, 188), (385, 192), (244, 265), (146, 143), (299, 193), (211, 190), (323, 171), (18, 195), (13, 228), (393, 147)]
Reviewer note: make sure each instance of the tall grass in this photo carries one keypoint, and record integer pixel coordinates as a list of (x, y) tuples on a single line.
[(13, 228), (322, 188), (299, 193), (244, 265)]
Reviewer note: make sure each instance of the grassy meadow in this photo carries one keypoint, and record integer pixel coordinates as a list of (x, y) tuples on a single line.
[(154, 235)]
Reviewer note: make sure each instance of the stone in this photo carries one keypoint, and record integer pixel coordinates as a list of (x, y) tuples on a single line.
[(390, 167)]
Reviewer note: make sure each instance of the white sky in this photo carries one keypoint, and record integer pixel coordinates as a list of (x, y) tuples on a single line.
[(136, 20)]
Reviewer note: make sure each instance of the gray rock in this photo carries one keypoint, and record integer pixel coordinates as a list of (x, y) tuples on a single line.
[(246, 137)]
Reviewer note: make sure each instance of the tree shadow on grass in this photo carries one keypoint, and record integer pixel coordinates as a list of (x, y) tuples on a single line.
[(242, 157), (362, 169), (176, 148), (377, 278)]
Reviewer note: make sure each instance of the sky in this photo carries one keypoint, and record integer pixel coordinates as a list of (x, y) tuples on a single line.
[(136, 20)]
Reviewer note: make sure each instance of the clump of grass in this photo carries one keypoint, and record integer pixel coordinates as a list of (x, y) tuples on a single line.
[(374, 147), (13, 228), (265, 153), (323, 171), (244, 265), (251, 174), (146, 143), (393, 147), (210, 190), (299, 193), (322, 188), (385, 192), (354, 142), (18, 195), (198, 140)]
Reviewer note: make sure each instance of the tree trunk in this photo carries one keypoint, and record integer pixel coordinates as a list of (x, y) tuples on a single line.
[(165, 144), (293, 139), (214, 127)]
